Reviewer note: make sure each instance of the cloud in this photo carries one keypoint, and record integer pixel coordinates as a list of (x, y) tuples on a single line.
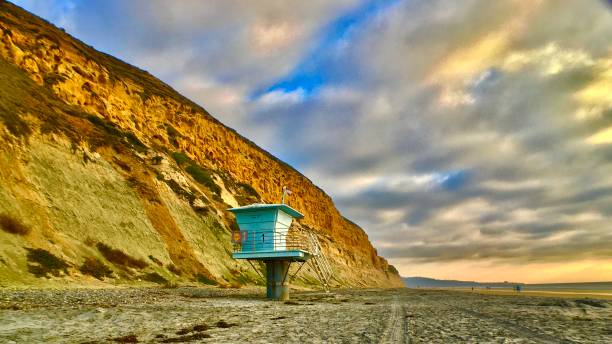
[(463, 132), (279, 97)]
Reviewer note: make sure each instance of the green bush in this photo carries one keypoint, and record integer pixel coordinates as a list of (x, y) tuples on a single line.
[(205, 280), (111, 129), (156, 160), (172, 132), (94, 267), (118, 258), (202, 177), (173, 135), (108, 127), (248, 189), (155, 278), (156, 261), (172, 268), (12, 225), (136, 143), (42, 263), (179, 189), (243, 279), (181, 158)]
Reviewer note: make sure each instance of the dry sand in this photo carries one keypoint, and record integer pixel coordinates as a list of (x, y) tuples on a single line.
[(154, 315)]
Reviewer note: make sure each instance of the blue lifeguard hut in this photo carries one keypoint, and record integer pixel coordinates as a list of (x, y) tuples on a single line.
[(264, 235)]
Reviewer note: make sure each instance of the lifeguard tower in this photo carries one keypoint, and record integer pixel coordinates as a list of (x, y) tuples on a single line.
[(266, 235)]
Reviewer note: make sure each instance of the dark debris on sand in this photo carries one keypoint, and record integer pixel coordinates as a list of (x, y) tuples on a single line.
[(195, 328), (130, 338), (224, 324), (187, 338)]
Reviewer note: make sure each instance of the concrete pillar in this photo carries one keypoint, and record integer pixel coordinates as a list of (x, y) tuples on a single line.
[(276, 272)]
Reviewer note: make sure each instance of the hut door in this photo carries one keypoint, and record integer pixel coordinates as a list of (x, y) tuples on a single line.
[(266, 241)]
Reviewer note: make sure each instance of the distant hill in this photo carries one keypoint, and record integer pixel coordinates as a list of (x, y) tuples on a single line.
[(424, 282)]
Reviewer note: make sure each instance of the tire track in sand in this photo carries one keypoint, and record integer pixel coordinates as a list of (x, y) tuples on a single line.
[(396, 325)]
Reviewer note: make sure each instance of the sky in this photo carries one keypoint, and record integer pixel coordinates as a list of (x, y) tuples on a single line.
[(470, 139)]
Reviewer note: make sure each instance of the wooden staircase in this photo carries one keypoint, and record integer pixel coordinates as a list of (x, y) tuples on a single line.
[(319, 261)]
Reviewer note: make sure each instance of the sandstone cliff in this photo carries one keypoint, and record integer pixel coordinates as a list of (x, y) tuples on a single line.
[(106, 171)]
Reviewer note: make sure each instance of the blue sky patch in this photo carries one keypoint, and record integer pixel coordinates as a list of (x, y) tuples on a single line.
[(313, 71), (455, 180)]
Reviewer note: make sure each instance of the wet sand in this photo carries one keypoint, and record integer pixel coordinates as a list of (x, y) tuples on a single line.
[(211, 315), (593, 294)]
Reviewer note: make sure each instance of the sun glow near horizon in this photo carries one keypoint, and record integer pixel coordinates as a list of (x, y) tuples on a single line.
[(583, 271)]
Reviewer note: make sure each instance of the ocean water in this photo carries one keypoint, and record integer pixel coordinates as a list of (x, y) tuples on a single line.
[(604, 286), (423, 282)]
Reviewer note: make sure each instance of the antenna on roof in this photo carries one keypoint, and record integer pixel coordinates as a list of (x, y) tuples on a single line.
[(286, 191)]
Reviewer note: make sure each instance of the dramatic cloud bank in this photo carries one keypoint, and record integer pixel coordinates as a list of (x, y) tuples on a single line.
[(470, 139)]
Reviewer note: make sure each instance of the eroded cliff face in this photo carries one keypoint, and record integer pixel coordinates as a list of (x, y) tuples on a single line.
[(177, 167)]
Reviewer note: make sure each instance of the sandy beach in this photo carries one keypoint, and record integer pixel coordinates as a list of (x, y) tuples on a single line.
[(211, 315)]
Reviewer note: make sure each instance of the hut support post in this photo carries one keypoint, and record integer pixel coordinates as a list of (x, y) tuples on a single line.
[(276, 279)]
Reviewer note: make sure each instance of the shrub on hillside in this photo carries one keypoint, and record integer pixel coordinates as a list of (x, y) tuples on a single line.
[(106, 126), (156, 261), (203, 177), (205, 280), (243, 279), (181, 158), (94, 267), (172, 132), (10, 115), (246, 194), (155, 278), (41, 263), (12, 225), (172, 268), (119, 258), (136, 143), (156, 160), (248, 189), (113, 130)]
